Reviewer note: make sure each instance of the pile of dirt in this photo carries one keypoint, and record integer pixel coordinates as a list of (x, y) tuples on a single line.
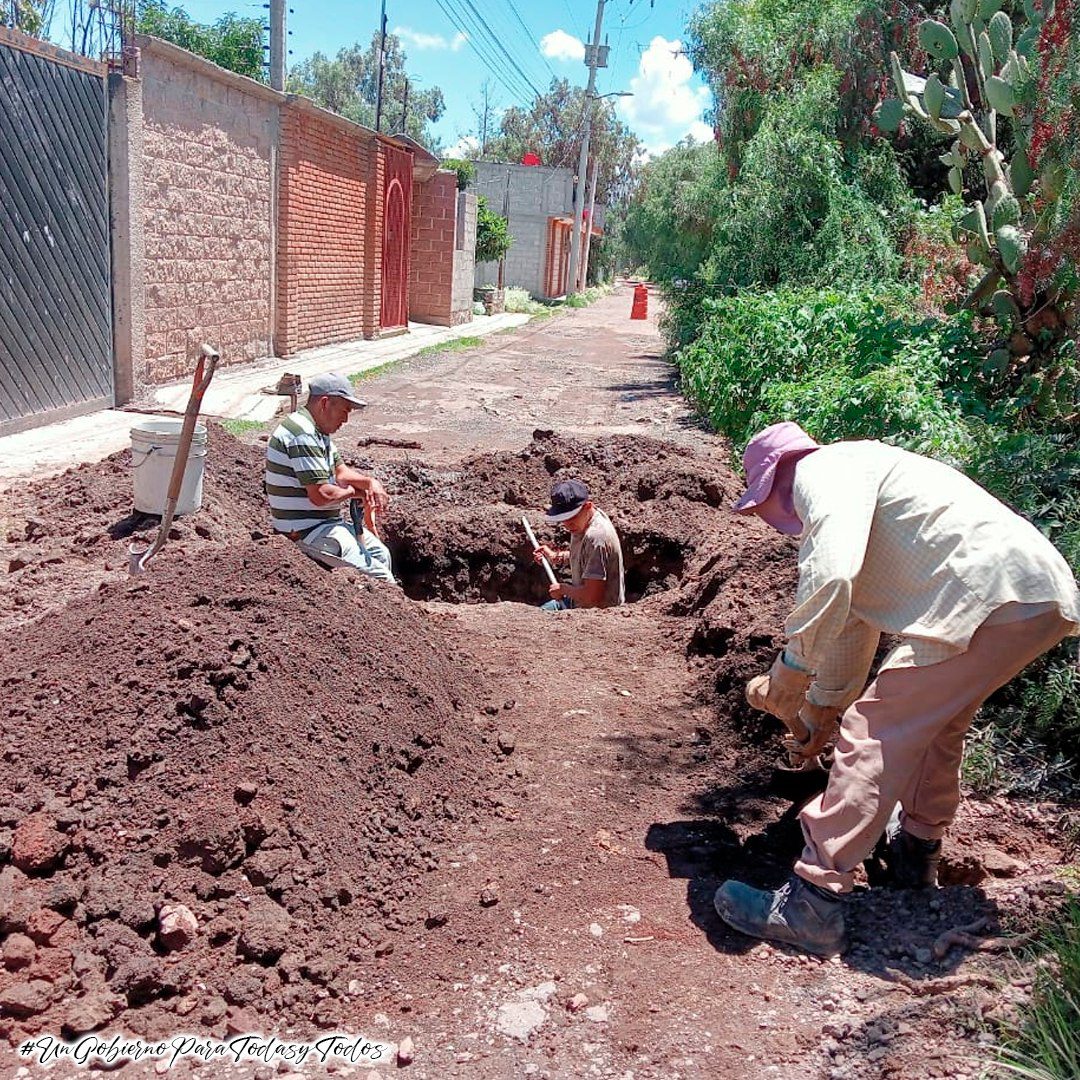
[(62, 538), (224, 784)]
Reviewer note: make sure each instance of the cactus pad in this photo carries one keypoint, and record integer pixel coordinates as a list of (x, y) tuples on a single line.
[(1010, 245), (1001, 35), (1001, 95), (938, 40)]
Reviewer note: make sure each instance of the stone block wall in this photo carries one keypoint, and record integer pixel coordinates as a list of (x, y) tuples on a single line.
[(464, 257), (435, 290), (328, 224), (207, 213)]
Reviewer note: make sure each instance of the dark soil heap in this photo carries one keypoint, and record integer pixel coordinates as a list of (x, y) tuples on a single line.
[(282, 751)]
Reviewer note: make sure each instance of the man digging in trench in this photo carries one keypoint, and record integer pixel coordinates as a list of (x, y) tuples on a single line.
[(308, 485), (594, 556), (896, 543)]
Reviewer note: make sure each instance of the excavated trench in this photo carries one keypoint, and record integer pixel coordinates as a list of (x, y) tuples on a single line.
[(483, 556), (457, 535)]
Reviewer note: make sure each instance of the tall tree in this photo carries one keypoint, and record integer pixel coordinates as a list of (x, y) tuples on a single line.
[(31, 16), (552, 128), (348, 84), (232, 42)]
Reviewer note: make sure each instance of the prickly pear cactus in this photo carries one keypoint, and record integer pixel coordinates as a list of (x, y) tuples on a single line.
[(983, 69)]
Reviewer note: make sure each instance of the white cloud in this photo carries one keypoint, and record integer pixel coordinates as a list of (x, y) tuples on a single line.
[(559, 45), (466, 147), (666, 106), (420, 40)]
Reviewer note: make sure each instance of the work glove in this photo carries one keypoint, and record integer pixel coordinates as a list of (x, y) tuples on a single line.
[(821, 723), (781, 692)]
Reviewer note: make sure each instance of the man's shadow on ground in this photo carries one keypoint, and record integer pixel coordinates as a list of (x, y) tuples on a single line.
[(883, 924)]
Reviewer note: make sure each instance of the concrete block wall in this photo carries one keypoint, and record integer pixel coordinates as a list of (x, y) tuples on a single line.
[(435, 269), (327, 224), (207, 213), (464, 257), (534, 194)]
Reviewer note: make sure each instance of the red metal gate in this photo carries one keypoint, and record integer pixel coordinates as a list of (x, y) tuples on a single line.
[(397, 180)]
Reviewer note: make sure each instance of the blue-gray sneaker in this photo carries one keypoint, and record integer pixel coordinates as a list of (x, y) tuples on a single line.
[(797, 913)]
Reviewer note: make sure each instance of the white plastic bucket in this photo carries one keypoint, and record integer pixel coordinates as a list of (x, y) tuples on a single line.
[(153, 450)]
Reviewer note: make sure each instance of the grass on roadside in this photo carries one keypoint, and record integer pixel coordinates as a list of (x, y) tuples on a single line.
[(1046, 1042), (589, 296), (240, 428), (382, 369), (453, 345)]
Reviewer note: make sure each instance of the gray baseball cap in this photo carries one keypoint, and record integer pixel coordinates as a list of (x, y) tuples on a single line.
[(333, 385)]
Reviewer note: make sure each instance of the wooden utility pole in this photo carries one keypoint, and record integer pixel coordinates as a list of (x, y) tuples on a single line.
[(592, 56), (277, 44), (382, 67), (405, 109)]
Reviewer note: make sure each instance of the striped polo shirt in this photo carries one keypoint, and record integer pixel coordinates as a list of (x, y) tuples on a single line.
[(298, 454)]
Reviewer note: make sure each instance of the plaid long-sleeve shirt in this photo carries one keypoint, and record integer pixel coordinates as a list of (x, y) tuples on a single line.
[(898, 543)]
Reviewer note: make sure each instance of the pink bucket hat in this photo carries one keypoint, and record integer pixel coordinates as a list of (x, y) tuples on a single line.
[(763, 454)]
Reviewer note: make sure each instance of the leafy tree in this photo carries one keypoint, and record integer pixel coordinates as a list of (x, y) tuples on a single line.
[(232, 42), (30, 16), (348, 84), (552, 128), (466, 171), (493, 239), (753, 51), (669, 222), (801, 211)]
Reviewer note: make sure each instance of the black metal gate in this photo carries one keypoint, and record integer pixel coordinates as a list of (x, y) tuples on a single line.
[(55, 300)]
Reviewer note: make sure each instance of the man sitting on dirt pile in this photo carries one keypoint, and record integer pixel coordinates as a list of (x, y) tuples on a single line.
[(308, 484), (594, 556), (896, 543)]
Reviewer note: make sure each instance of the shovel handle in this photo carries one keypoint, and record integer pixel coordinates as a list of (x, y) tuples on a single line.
[(204, 372), (536, 547)]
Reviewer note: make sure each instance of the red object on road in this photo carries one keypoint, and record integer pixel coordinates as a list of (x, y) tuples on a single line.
[(640, 307)]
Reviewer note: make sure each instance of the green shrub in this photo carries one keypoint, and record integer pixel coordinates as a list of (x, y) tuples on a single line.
[(493, 237), (466, 171), (520, 301), (841, 364), (1046, 1044)]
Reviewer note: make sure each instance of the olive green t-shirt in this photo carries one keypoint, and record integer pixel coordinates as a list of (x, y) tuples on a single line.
[(596, 555)]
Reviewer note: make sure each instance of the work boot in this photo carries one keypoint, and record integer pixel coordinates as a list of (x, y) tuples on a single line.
[(798, 913), (906, 861)]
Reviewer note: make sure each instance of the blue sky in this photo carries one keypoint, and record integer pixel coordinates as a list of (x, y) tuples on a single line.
[(645, 38)]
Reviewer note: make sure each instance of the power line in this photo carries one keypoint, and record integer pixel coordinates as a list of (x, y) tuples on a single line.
[(506, 79), (528, 34), (507, 74), (494, 39)]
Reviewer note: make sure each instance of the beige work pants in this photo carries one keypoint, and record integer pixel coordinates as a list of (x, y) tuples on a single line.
[(903, 741)]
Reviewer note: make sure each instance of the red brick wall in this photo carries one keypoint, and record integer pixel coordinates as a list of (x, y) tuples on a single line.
[(434, 227), (329, 216)]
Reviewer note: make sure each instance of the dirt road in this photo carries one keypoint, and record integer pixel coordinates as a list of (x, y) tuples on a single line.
[(492, 831)]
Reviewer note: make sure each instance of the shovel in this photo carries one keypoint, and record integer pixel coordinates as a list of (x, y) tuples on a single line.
[(138, 555)]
